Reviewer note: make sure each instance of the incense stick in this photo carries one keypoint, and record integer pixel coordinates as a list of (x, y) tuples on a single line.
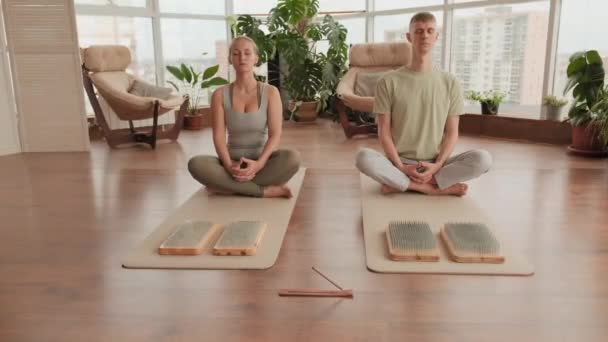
[(326, 278)]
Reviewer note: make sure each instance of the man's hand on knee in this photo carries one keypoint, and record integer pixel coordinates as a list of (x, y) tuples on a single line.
[(430, 169), (411, 173)]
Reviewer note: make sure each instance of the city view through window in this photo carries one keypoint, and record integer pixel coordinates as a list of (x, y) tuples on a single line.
[(492, 47)]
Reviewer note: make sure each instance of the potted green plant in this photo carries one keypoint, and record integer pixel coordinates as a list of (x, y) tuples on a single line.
[(553, 107), (599, 118), (194, 83), (490, 100), (587, 114), (309, 77)]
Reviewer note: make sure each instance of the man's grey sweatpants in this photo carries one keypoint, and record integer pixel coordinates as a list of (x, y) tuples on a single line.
[(456, 169)]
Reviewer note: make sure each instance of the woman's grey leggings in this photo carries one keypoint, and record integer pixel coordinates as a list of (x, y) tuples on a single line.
[(281, 166), (456, 169)]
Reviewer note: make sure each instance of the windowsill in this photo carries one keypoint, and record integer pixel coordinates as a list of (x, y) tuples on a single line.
[(532, 112), (528, 116), (533, 130)]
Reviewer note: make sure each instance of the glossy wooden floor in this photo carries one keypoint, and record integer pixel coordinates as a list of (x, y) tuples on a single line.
[(68, 218)]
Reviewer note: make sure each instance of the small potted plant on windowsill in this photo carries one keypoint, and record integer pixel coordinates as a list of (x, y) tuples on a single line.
[(193, 83), (553, 107), (490, 100)]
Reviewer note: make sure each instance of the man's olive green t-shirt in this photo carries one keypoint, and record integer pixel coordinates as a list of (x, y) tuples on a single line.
[(418, 104)]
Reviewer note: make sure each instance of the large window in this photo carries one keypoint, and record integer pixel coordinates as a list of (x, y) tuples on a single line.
[(380, 5), (134, 33), (341, 6), (126, 3), (502, 48), (582, 27), (253, 7), (198, 43), (355, 35), (212, 7), (488, 45), (356, 30)]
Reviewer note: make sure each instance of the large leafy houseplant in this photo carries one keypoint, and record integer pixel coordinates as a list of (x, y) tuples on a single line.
[(599, 116), (585, 79), (308, 75), (589, 110)]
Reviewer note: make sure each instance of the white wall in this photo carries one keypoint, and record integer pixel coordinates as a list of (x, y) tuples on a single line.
[(9, 138)]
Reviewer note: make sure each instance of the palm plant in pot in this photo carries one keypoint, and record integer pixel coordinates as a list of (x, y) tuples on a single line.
[(599, 118), (587, 114), (489, 100), (193, 84)]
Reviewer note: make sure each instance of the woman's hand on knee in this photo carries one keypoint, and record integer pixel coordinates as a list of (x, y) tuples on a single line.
[(230, 167), (246, 169), (252, 167)]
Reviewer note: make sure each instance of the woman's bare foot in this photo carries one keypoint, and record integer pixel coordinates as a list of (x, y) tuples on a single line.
[(277, 191), (458, 189), (388, 190)]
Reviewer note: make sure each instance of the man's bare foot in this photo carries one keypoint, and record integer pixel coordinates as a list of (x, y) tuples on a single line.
[(458, 189), (213, 191), (388, 190), (277, 191)]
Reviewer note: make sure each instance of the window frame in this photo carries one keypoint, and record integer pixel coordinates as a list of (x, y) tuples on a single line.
[(152, 10)]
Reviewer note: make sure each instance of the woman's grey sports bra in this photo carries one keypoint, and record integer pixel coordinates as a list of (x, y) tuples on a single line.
[(247, 132)]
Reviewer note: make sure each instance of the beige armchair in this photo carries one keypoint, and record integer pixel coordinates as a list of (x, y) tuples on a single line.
[(103, 72), (356, 89)]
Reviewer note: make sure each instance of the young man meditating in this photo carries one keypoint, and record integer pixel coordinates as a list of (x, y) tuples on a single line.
[(418, 107)]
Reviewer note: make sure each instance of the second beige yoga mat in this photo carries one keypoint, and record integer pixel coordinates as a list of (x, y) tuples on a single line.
[(276, 212), (379, 209)]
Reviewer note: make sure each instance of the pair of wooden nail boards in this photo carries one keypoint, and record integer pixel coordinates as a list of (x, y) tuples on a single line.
[(466, 242), (240, 238)]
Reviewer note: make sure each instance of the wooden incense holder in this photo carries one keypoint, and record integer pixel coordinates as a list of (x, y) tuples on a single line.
[(348, 293)]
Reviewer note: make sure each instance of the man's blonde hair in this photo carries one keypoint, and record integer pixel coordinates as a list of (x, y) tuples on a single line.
[(422, 17)]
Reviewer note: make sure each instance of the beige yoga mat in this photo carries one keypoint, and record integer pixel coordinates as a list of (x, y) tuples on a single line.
[(276, 212), (379, 209)]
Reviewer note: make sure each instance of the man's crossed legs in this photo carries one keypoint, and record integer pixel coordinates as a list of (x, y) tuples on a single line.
[(447, 181)]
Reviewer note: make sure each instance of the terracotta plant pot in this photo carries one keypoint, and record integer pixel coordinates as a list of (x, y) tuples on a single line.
[(488, 109), (201, 119), (193, 122), (307, 111), (585, 142)]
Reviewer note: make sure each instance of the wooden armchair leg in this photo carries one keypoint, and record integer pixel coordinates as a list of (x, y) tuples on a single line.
[(346, 126), (154, 125), (351, 130), (173, 133)]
